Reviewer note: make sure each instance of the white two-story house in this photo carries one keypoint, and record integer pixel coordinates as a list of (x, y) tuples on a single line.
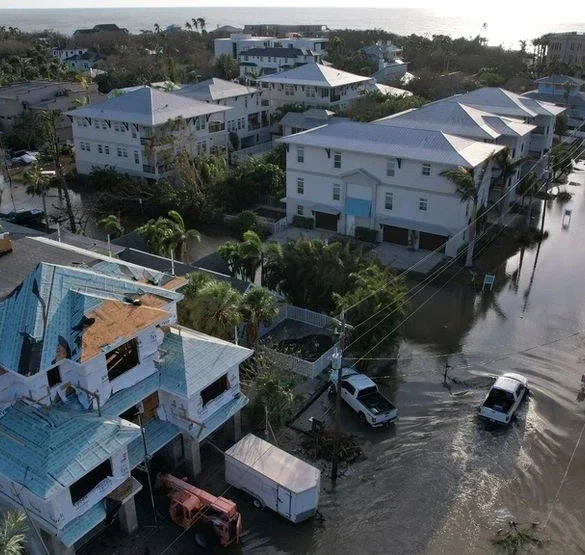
[(459, 119), (248, 118), (257, 62), (385, 178), (240, 42), (315, 86), (139, 132), (93, 371)]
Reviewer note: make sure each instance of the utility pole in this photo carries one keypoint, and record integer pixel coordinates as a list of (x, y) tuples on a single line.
[(337, 365)]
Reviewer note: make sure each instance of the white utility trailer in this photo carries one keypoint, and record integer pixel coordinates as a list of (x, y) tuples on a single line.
[(274, 478)]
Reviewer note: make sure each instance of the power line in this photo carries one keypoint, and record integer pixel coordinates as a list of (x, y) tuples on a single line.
[(420, 286)]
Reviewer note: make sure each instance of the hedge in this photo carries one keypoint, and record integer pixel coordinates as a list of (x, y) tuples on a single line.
[(366, 234), (303, 221)]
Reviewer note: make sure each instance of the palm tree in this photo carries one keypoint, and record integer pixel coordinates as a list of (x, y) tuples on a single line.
[(258, 307), (215, 310), (179, 235), (195, 23), (527, 188), (13, 533), (508, 168), (111, 225), (202, 24), (188, 26), (464, 182), (38, 185)]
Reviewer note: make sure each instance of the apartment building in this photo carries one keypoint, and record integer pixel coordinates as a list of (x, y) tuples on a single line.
[(386, 178), (248, 117), (41, 95), (315, 86), (140, 131), (237, 43), (96, 376), (257, 62), (566, 47), (565, 91)]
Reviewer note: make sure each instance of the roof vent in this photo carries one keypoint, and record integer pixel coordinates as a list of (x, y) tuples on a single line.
[(133, 299)]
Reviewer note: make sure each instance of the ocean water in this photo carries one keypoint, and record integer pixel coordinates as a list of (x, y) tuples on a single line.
[(403, 21)]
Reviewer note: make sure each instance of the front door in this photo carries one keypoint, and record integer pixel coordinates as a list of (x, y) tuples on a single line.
[(283, 502)]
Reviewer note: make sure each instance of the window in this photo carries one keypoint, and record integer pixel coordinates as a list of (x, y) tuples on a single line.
[(84, 123), (300, 154), (116, 126), (125, 153), (79, 122), (104, 124), (423, 204), (214, 390), (288, 90), (107, 150), (426, 169), (54, 376), (336, 191), (136, 157), (390, 168), (82, 145), (83, 486), (348, 387), (100, 149), (337, 160), (96, 124), (119, 151), (388, 201), (133, 133), (122, 359), (87, 147), (300, 210), (300, 186)]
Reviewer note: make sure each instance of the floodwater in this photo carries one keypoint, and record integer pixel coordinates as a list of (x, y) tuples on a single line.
[(439, 481)]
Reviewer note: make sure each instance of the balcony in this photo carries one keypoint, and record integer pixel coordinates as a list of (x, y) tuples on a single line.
[(148, 169), (335, 97), (216, 127)]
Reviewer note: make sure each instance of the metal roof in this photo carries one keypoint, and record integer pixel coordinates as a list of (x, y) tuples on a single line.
[(147, 106), (50, 448), (191, 361), (313, 117), (215, 89), (157, 434), (505, 103), (393, 91), (274, 463), (561, 80), (385, 140), (316, 75), (458, 119)]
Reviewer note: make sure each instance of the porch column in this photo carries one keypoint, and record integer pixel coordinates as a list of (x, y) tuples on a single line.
[(192, 454), (128, 518), (55, 546), (173, 451), (236, 426)]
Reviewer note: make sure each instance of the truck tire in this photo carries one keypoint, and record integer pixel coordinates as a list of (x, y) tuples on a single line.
[(362, 418), (258, 503)]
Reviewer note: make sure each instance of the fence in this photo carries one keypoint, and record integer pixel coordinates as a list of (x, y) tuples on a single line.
[(239, 156), (295, 364)]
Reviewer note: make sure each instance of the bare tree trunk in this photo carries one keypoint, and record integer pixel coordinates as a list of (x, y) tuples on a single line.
[(59, 171), (44, 197), (470, 245)]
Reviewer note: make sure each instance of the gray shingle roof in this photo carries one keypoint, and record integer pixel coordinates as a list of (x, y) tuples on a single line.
[(398, 142), (316, 75), (147, 106), (215, 89), (458, 119)]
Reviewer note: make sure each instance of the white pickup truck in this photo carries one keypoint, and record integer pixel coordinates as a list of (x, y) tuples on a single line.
[(363, 396), (504, 398)]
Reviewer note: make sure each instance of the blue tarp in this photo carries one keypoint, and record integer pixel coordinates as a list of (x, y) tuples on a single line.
[(358, 207)]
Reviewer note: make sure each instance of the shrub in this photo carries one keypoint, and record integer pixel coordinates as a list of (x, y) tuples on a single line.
[(244, 221), (303, 221), (366, 234)]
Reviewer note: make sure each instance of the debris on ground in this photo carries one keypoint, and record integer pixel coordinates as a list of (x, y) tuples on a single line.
[(517, 536), (319, 445)]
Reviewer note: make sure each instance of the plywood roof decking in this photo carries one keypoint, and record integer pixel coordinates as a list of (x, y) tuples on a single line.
[(174, 283), (113, 320)]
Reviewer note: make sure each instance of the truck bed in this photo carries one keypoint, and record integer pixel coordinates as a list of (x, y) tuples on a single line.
[(376, 402), (499, 401)]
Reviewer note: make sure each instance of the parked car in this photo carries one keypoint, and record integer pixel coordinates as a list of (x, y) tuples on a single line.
[(25, 217), (24, 157), (361, 393), (504, 398)]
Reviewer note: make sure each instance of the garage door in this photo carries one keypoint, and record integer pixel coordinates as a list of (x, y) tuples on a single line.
[(326, 221), (430, 242), (392, 234)]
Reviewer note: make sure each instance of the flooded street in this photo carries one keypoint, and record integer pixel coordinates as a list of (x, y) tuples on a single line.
[(439, 481)]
